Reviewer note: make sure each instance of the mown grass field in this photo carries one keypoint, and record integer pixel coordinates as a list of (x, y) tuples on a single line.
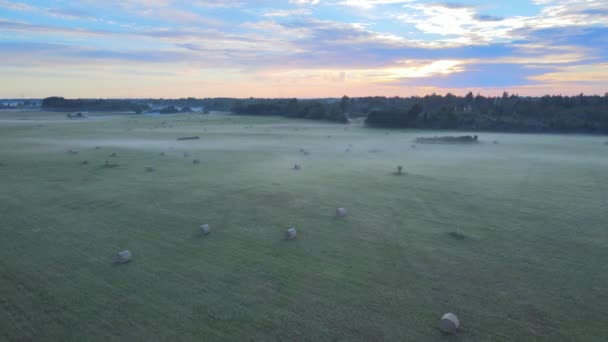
[(533, 208)]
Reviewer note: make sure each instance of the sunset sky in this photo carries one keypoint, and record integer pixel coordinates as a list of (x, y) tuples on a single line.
[(301, 48)]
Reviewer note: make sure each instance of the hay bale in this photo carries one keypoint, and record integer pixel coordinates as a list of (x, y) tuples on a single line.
[(122, 257), (97, 147), (107, 164), (341, 212), (205, 229), (149, 169), (290, 234), (449, 323), (457, 235), (297, 167), (196, 161), (84, 162)]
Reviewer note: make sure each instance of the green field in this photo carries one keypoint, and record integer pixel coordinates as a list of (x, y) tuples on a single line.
[(533, 265)]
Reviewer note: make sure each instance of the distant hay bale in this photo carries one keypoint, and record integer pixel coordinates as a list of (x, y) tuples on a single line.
[(196, 161), (297, 167), (465, 139), (107, 164), (149, 169), (122, 257), (449, 323), (341, 212), (290, 234), (84, 162), (205, 229), (97, 147), (457, 235)]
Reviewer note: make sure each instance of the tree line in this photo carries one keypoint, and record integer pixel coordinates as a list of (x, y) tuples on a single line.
[(292, 108), (100, 105), (581, 113), (509, 113)]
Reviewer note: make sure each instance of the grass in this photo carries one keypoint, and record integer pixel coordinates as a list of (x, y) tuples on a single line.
[(533, 210)]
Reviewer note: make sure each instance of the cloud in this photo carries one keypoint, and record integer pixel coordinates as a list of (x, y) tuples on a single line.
[(16, 6), (287, 13), (70, 13), (180, 16), (462, 24), (217, 3), (588, 73), (368, 4), (304, 2)]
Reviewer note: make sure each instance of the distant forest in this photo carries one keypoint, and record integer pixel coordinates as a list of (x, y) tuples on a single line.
[(99, 105), (511, 113), (506, 113)]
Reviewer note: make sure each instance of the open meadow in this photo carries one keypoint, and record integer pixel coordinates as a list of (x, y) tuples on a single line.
[(511, 236)]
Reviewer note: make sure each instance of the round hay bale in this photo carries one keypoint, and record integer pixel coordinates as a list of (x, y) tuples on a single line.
[(97, 147), (297, 167), (341, 212), (84, 162), (205, 229), (122, 257), (290, 234), (449, 323), (196, 161)]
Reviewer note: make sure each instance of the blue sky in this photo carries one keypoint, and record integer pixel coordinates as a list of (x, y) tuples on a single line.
[(302, 48)]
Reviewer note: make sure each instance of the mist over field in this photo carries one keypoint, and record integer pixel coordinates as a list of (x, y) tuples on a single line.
[(508, 233)]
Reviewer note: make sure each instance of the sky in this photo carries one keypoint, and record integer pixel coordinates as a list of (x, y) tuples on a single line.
[(301, 48)]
